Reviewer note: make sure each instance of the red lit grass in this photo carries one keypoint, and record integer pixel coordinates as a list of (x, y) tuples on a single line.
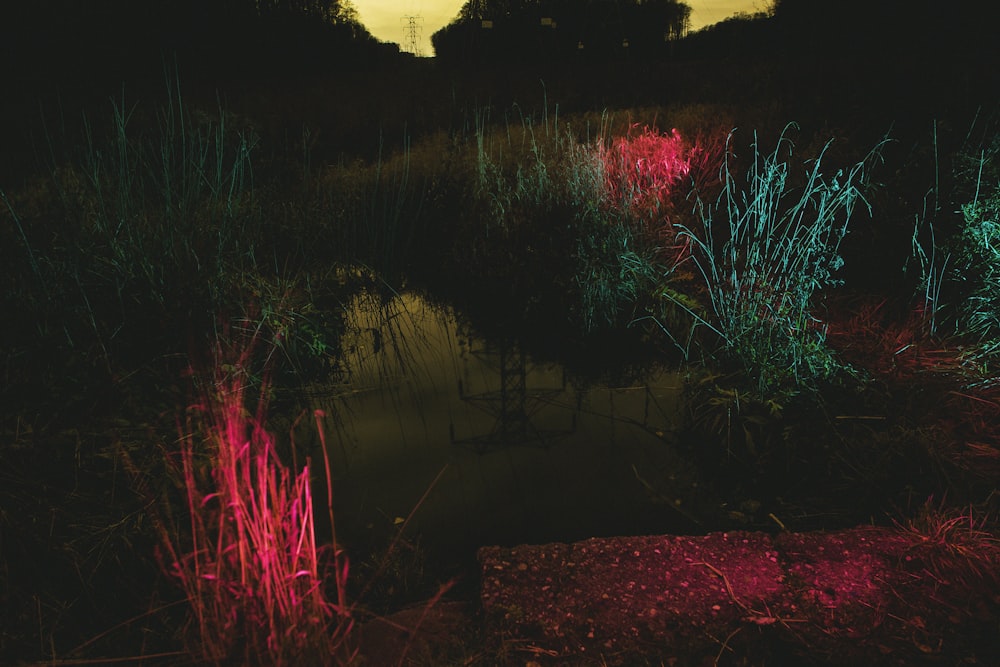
[(648, 176), (866, 334), (903, 349), (957, 545), (251, 571), (641, 170)]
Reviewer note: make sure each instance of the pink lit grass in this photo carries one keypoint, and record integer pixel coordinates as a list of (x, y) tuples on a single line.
[(642, 169), (649, 175), (251, 572), (957, 545)]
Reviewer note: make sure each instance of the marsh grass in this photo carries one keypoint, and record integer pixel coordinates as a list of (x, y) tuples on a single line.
[(130, 253), (764, 250), (141, 231), (249, 563), (161, 207), (978, 260), (161, 223), (589, 204), (528, 168), (959, 266), (370, 212)]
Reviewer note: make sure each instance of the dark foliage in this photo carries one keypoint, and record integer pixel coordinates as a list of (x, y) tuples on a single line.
[(115, 40), (561, 30)]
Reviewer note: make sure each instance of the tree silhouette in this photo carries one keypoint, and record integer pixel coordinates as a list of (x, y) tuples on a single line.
[(531, 30), (870, 25), (121, 38)]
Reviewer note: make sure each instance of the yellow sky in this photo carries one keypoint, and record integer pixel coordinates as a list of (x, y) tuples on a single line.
[(389, 20)]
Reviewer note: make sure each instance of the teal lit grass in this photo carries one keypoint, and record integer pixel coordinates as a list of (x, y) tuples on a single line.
[(958, 256), (146, 228), (764, 251), (977, 255)]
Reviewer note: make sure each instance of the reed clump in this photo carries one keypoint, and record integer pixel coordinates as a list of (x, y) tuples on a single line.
[(764, 251), (976, 255), (255, 578)]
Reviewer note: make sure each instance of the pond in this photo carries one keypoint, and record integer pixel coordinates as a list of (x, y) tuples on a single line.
[(489, 445)]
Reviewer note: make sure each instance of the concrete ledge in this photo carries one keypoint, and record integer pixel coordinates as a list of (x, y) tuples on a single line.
[(861, 596)]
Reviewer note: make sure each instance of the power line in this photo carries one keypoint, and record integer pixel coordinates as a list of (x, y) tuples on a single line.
[(413, 30)]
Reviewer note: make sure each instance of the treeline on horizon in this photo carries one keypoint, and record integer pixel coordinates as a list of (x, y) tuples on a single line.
[(512, 31), (68, 41), (126, 38), (536, 30)]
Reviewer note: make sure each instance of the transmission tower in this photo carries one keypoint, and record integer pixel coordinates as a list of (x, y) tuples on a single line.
[(512, 404), (413, 30)]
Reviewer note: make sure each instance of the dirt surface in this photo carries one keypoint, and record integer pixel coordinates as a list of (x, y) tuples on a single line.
[(865, 596)]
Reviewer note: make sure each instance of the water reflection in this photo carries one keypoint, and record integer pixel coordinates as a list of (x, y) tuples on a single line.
[(505, 394), (529, 457)]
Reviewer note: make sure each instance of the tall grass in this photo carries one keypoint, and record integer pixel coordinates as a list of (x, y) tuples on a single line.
[(649, 176), (959, 281), (179, 202), (528, 168), (977, 252), (369, 213), (135, 236), (763, 251), (249, 563), (597, 207)]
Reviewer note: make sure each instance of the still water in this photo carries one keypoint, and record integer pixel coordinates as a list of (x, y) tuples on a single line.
[(519, 454)]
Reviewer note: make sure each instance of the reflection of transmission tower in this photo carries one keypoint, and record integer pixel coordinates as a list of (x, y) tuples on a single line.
[(413, 30), (512, 404)]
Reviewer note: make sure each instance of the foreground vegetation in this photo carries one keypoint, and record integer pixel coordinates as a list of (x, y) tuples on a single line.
[(165, 262)]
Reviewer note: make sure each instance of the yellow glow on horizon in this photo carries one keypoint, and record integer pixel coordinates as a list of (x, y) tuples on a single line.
[(389, 21)]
